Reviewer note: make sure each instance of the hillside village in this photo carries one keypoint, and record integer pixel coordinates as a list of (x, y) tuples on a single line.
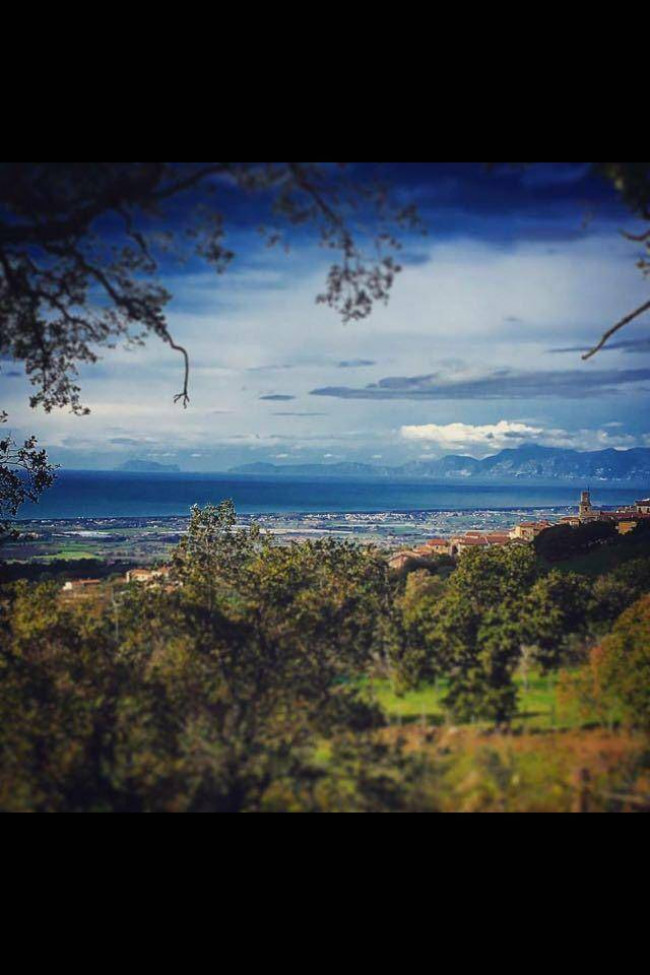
[(625, 520)]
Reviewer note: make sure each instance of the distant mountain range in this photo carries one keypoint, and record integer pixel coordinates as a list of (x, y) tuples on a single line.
[(147, 466), (529, 462)]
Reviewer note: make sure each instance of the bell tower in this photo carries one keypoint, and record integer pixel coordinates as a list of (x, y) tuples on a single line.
[(584, 508)]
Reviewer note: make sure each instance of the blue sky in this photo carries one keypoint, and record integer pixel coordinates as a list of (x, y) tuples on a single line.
[(479, 347)]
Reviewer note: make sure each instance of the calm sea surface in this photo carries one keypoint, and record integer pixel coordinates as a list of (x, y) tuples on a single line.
[(98, 494)]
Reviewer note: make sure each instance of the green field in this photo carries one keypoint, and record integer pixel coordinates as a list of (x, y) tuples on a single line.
[(540, 707)]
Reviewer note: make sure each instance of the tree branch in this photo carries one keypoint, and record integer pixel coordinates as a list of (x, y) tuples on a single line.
[(183, 395), (608, 334)]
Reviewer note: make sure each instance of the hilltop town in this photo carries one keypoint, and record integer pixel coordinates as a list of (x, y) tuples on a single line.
[(624, 519)]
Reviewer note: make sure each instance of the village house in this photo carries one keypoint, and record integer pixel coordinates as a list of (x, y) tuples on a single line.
[(529, 530), (498, 538), (460, 543), (437, 546), (144, 576), (400, 559)]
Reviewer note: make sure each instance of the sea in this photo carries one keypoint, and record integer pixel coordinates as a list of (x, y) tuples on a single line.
[(301, 507)]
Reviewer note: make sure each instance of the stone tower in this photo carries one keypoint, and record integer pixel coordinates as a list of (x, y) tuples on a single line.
[(585, 510)]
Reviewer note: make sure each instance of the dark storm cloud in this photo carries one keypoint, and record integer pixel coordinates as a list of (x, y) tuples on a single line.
[(499, 384), (277, 397)]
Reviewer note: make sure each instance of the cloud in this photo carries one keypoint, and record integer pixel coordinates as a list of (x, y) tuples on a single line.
[(355, 363), (271, 368), (495, 435), (498, 384), (491, 437), (277, 397), (627, 345), (554, 174), (315, 360), (132, 441), (299, 414)]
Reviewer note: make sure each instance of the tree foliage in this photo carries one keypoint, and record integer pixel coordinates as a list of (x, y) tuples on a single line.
[(24, 473), (499, 609), (81, 247), (566, 541), (616, 677), (214, 692), (556, 611)]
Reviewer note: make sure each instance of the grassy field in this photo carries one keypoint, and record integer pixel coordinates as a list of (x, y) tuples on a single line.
[(541, 707)]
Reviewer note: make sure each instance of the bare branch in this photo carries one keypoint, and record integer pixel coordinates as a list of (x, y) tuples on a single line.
[(615, 328), (183, 395), (640, 237)]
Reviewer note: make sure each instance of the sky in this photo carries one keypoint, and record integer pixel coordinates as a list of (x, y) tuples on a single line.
[(478, 349)]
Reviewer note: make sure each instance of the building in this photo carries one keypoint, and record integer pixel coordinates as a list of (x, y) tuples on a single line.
[(144, 576), (80, 585), (498, 538), (627, 516), (460, 543), (437, 546), (585, 510), (529, 530), (400, 559)]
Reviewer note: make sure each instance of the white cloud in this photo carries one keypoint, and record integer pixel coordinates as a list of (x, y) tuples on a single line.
[(458, 435), (488, 438)]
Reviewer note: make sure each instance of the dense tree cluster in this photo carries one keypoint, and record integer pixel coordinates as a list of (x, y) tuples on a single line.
[(220, 691), (499, 608), (565, 541), (615, 680), (242, 682)]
